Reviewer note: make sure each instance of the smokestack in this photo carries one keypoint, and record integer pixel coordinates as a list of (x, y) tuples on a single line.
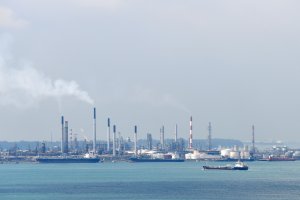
[(253, 139), (95, 134), (108, 135), (66, 135), (62, 133), (162, 137), (209, 136), (114, 140), (176, 132), (135, 140), (71, 140), (119, 143), (149, 141), (191, 134)]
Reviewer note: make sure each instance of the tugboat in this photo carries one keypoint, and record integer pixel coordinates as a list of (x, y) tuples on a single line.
[(238, 166)]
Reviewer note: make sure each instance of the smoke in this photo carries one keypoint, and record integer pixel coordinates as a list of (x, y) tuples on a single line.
[(25, 86), (8, 19)]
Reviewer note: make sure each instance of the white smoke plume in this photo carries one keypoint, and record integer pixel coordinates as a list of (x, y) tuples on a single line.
[(8, 19), (25, 86)]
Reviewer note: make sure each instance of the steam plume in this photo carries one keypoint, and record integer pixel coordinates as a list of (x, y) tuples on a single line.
[(26, 85)]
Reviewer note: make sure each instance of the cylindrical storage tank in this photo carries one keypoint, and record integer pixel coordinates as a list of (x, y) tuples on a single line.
[(242, 156), (234, 155), (188, 156), (296, 155), (235, 148), (195, 152), (195, 156), (245, 154), (142, 151), (175, 156), (284, 149), (225, 152), (154, 155), (289, 154)]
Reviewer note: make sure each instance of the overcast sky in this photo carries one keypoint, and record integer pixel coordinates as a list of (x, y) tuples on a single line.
[(149, 63)]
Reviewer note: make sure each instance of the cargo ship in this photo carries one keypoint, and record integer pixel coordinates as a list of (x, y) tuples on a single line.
[(157, 157), (238, 166), (234, 160), (67, 159), (272, 158), (141, 159)]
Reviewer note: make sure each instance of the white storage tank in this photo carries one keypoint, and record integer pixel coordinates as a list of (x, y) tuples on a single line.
[(225, 152), (193, 156), (296, 155), (188, 156), (234, 155), (235, 148), (175, 156), (245, 154)]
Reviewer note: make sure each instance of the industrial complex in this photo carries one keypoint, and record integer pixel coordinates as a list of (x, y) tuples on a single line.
[(143, 148)]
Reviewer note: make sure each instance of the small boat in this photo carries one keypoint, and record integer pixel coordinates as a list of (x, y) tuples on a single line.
[(238, 166)]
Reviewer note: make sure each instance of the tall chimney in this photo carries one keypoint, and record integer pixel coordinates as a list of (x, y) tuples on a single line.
[(66, 135), (209, 136), (95, 133), (176, 132), (253, 139), (119, 143), (191, 134), (62, 133), (149, 141), (71, 140), (135, 140), (114, 140), (163, 137), (108, 135)]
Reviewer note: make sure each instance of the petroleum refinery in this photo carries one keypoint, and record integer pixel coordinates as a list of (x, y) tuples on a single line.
[(143, 148)]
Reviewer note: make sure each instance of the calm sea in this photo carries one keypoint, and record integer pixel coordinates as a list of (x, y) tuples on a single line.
[(264, 180)]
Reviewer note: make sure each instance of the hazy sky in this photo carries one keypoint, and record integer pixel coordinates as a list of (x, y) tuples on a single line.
[(149, 63)]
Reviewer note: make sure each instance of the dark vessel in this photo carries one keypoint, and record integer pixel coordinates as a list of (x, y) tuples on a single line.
[(271, 158), (140, 159), (67, 160), (238, 166), (234, 160)]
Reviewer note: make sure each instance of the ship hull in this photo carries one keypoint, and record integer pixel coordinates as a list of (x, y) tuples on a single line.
[(277, 159), (155, 160), (67, 160), (224, 168), (234, 160)]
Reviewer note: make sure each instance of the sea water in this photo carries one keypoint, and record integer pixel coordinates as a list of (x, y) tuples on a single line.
[(122, 180)]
